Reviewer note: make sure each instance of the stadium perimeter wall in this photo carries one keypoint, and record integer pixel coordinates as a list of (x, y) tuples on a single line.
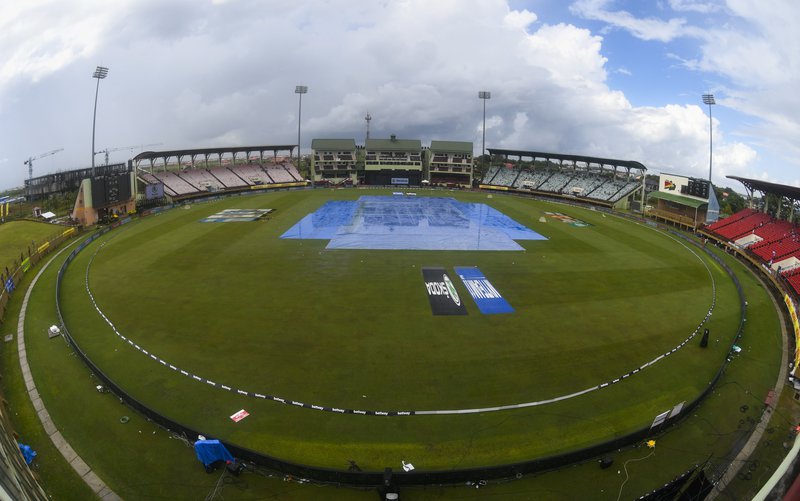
[(416, 477)]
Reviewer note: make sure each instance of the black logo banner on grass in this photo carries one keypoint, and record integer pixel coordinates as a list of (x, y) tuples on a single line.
[(442, 293)]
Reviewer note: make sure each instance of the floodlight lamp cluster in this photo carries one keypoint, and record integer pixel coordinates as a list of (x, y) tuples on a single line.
[(484, 94), (709, 99), (300, 89), (100, 73)]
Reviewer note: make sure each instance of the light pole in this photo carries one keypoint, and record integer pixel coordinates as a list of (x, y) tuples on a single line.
[(100, 73), (484, 94), (299, 90), (709, 100)]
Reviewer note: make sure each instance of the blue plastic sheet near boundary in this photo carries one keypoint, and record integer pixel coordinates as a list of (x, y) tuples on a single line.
[(412, 223), (27, 453), (210, 451)]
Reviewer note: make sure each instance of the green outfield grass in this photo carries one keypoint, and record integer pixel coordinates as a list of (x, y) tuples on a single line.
[(16, 237), (237, 305), (140, 461)]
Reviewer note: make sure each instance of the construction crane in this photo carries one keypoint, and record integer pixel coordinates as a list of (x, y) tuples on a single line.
[(109, 150), (29, 161)]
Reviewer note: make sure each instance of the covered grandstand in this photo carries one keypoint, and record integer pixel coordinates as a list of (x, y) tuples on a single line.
[(178, 174), (768, 237), (393, 162), (334, 160), (450, 163), (604, 181)]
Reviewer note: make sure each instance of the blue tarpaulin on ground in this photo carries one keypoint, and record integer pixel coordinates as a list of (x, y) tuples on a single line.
[(210, 451), (27, 452), (412, 223)]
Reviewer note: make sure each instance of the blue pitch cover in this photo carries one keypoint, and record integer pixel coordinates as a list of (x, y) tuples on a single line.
[(487, 298)]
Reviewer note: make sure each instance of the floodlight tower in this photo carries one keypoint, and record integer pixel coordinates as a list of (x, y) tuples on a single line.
[(299, 90), (100, 73), (709, 100), (368, 118), (484, 94)]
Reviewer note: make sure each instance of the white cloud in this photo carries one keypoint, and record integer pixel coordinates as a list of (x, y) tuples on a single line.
[(38, 38), (692, 6), (198, 75), (520, 19), (645, 29)]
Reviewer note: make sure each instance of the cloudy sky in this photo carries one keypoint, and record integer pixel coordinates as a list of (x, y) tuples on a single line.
[(612, 78)]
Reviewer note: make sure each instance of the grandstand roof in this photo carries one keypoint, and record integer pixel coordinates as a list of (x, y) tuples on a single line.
[(394, 145), (631, 164), (152, 155), (333, 144), (790, 192), (671, 197), (452, 146)]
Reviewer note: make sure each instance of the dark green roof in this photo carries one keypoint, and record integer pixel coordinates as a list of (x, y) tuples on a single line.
[(452, 146), (413, 145), (671, 197), (333, 144)]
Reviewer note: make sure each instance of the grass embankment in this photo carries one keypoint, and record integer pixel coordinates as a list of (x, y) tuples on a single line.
[(17, 237)]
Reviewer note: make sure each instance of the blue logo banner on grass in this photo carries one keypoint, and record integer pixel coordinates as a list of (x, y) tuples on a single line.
[(487, 298)]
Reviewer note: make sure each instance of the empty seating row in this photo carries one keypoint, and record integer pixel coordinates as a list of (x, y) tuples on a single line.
[(590, 185), (743, 226), (555, 182), (227, 177), (730, 219), (194, 181)]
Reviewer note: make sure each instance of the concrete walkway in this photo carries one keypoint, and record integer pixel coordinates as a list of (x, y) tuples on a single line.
[(79, 465)]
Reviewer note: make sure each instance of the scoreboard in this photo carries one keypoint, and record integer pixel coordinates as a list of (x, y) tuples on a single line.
[(111, 190), (686, 186), (696, 188)]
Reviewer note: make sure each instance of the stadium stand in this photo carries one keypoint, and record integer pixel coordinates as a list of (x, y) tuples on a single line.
[(614, 191), (279, 174), (556, 182), (773, 243), (777, 250), (251, 174), (582, 185), (505, 177), (579, 183), (730, 219), (191, 182), (741, 226), (793, 277), (531, 179), (175, 183), (201, 179), (488, 178), (227, 177)]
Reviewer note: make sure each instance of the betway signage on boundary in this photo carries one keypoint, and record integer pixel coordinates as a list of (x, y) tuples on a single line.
[(487, 298), (442, 293)]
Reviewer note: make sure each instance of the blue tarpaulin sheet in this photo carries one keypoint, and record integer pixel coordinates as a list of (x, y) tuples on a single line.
[(210, 451), (27, 452), (412, 223)]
